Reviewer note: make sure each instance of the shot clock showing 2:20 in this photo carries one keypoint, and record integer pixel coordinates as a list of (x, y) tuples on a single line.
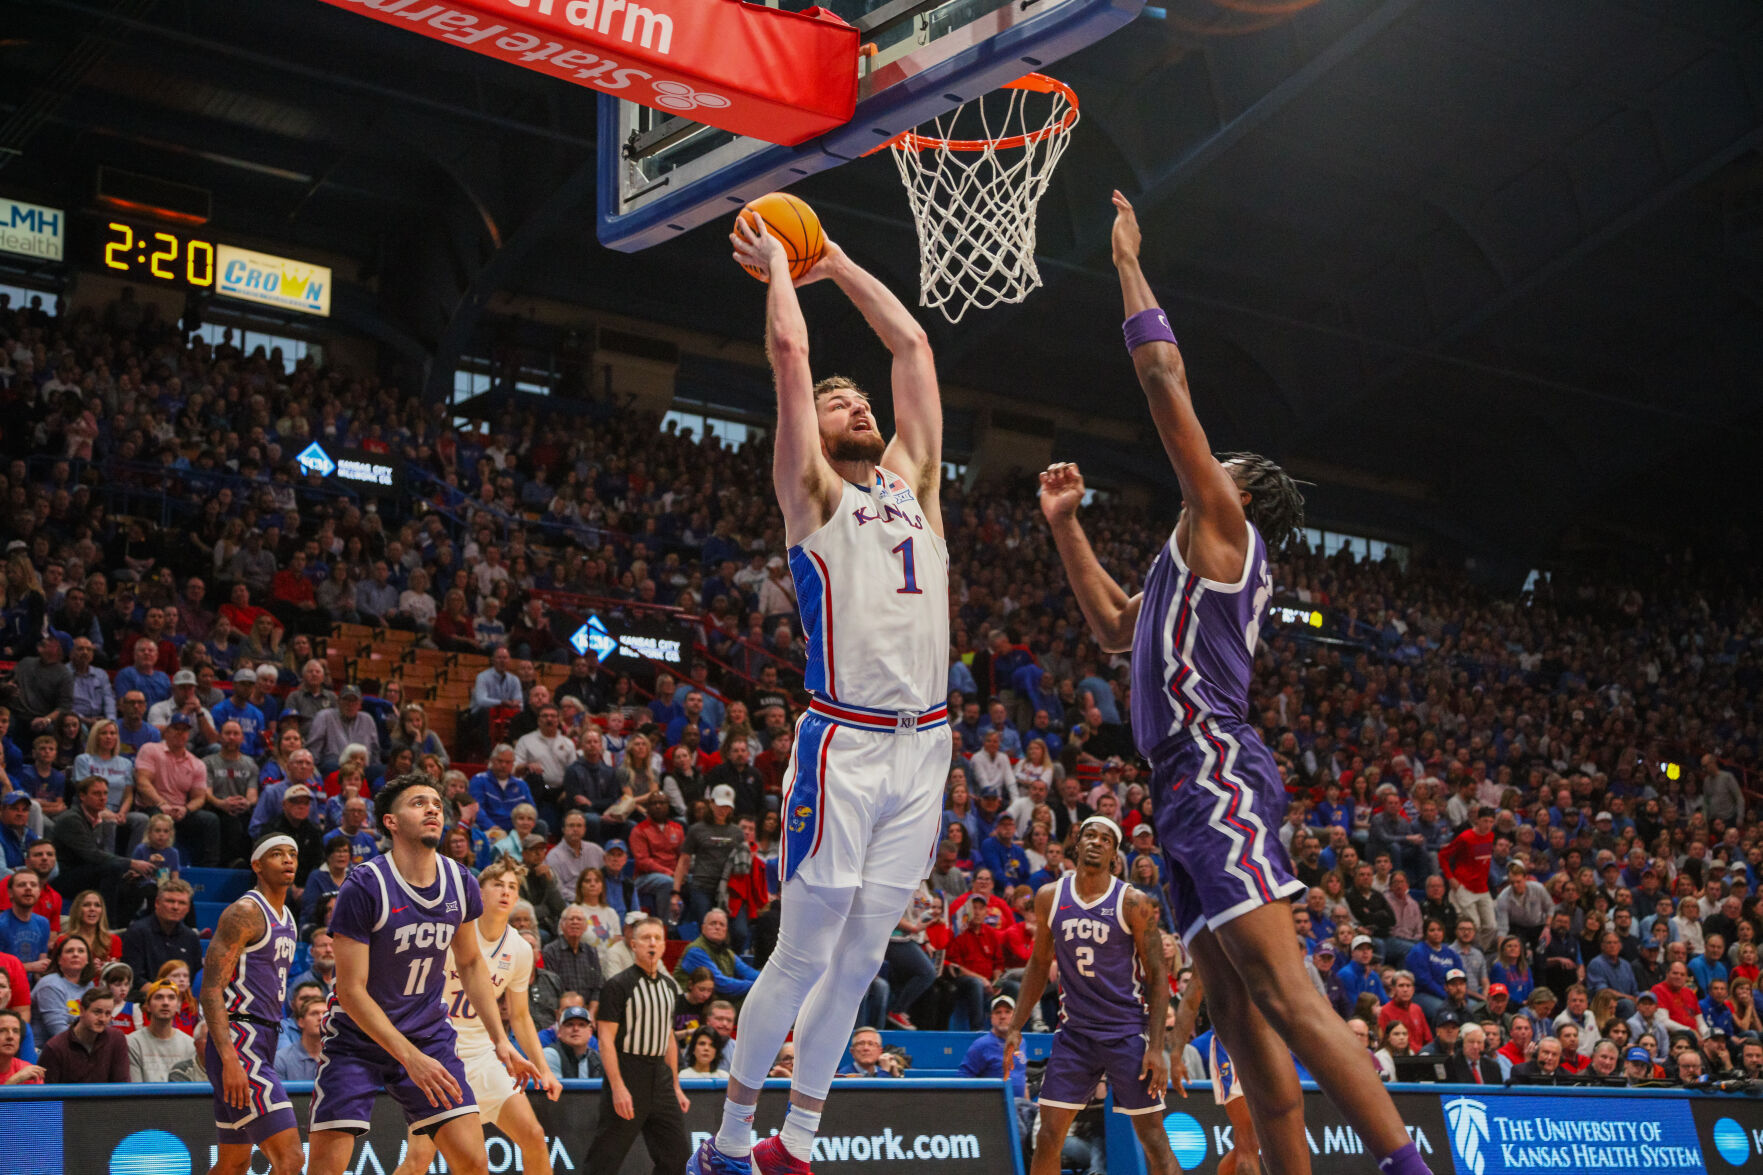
[(154, 253)]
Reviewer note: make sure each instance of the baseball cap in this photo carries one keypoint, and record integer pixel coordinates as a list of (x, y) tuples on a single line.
[(1498, 989), (1648, 996), (1638, 1054), (1448, 1017), (1325, 947), (179, 719), (575, 1013), (1003, 999), (184, 677), (634, 917), (117, 970), (617, 844), (1602, 816), (1453, 973), (1144, 828), (1361, 940), (531, 840), (244, 675), (1649, 944), (990, 792), (349, 691), (298, 792), (15, 797), (722, 795), (1717, 1034)]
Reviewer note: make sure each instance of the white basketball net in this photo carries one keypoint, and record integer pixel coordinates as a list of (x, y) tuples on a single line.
[(974, 200)]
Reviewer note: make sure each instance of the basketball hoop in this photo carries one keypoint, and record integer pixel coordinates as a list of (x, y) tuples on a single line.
[(974, 199)]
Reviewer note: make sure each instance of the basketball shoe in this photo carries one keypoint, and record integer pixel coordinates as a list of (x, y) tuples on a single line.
[(710, 1161), (771, 1158)]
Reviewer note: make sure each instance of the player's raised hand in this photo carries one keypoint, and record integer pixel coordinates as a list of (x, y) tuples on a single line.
[(1126, 237), (1155, 1070), (757, 247), (1062, 491), (826, 267), (438, 1085)]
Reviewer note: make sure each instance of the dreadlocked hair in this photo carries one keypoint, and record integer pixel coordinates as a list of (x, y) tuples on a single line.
[(1275, 505)]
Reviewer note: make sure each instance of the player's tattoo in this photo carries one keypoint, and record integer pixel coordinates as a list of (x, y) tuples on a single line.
[(240, 923)]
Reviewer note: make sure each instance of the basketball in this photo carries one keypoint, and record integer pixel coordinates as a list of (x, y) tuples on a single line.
[(791, 221)]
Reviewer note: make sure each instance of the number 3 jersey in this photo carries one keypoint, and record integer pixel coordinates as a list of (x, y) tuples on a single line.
[(1101, 982), (510, 960), (409, 934)]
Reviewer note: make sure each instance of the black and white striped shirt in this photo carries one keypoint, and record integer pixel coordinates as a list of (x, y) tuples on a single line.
[(642, 1006)]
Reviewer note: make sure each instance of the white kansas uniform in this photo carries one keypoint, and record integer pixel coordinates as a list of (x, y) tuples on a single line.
[(863, 796), (510, 960)]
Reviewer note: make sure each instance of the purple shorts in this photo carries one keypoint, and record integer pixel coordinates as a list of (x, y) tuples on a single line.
[(267, 1110), (1220, 802), (355, 1069), (1080, 1060)]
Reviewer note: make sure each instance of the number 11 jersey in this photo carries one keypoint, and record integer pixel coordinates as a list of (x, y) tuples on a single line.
[(409, 934)]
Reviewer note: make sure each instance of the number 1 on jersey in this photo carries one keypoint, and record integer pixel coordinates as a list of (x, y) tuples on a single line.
[(904, 550)]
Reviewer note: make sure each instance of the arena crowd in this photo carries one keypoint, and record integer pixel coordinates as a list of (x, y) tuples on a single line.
[(1523, 817)]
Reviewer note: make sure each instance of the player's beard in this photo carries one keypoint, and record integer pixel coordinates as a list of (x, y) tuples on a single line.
[(865, 446), (431, 840)]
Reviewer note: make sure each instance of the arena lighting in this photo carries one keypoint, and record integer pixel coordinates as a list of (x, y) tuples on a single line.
[(137, 208), (1671, 770)]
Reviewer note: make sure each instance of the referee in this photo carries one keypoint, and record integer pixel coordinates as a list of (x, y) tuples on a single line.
[(641, 1093)]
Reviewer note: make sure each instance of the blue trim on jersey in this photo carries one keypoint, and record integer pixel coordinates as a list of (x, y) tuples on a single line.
[(806, 791), (810, 598)]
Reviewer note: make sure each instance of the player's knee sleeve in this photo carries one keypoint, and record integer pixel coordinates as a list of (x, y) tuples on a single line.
[(809, 934), (830, 1012)]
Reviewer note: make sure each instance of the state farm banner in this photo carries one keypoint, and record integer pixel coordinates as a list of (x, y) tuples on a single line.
[(784, 77)]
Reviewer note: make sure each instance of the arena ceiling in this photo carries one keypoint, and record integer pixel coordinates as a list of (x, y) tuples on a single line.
[(1492, 270)]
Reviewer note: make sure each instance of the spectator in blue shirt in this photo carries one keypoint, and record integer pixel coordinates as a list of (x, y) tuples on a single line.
[(733, 975), (1717, 1012), (40, 780), (1001, 854), (496, 686), (1707, 967), (15, 830), (1009, 740), (866, 1054), (1430, 959), (238, 707), (692, 714), (154, 685), (985, 1056), (24, 933), (133, 728), (1610, 969), (497, 790)]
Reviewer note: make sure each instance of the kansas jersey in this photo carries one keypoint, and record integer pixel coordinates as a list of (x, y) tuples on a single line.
[(409, 933), (1101, 981), (260, 982), (510, 960), (1194, 645), (872, 585)]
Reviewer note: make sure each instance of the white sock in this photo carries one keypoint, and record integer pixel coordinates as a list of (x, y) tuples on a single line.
[(800, 1127), (735, 1139)]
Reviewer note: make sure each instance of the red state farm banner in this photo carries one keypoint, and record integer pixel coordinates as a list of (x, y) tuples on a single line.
[(784, 77)]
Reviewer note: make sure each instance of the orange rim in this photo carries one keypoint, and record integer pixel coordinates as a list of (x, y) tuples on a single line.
[(1038, 83)]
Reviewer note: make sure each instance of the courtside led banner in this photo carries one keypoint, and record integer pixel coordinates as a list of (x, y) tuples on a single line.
[(781, 76), (938, 1127), (269, 280)]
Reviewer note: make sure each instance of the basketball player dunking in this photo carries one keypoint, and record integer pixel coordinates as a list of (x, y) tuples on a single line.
[(1219, 797), (500, 1102), (395, 920), (863, 796), (1113, 991), (244, 983)]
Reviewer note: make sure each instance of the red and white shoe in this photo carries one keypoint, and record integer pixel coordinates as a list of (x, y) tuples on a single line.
[(771, 1158), (901, 1020)]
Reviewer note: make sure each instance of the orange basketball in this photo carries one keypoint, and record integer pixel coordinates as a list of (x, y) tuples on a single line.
[(794, 223)]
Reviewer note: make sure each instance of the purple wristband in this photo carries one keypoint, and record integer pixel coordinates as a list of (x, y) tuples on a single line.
[(1147, 326)]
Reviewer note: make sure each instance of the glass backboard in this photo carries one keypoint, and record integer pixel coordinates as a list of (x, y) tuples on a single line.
[(662, 174)]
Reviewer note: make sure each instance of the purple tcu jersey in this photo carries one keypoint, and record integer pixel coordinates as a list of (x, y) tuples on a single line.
[(409, 932), (260, 981), (1102, 988), (1194, 645)]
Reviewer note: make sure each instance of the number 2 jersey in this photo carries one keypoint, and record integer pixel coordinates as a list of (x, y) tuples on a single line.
[(510, 960), (409, 934), (1101, 981)]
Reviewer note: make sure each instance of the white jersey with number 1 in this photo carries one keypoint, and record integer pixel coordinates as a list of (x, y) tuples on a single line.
[(863, 797)]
